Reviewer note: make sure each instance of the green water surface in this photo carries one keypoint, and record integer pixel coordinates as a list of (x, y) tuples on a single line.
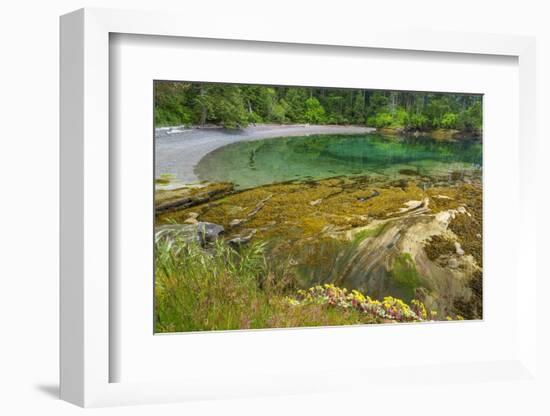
[(253, 163)]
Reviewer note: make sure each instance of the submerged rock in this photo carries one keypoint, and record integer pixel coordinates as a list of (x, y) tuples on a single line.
[(408, 172), (365, 198)]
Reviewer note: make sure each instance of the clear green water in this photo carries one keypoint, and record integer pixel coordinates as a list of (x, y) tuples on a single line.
[(260, 162)]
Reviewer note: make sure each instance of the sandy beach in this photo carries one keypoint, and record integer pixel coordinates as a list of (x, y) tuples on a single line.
[(178, 150)]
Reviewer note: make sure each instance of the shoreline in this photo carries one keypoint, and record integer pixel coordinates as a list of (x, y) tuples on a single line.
[(403, 234), (178, 150)]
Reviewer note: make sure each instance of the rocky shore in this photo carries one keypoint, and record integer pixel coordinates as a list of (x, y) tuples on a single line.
[(415, 238)]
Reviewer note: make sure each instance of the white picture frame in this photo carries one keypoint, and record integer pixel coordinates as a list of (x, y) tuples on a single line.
[(86, 356)]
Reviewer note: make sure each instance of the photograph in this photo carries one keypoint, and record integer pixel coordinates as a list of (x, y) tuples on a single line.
[(245, 208), (301, 206)]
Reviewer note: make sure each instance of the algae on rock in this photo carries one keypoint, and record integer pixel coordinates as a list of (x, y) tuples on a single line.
[(397, 239)]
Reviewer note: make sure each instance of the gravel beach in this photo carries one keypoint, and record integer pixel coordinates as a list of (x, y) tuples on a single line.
[(178, 150)]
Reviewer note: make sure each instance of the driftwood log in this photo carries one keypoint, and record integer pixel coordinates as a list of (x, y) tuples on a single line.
[(188, 201)]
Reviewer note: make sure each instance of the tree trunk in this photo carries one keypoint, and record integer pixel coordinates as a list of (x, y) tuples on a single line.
[(204, 110), (203, 115), (392, 102)]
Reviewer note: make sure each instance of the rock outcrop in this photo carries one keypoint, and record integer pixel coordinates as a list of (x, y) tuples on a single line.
[(398, 239)]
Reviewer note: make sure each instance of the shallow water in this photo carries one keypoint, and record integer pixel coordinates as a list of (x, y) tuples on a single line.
[(260, 162)]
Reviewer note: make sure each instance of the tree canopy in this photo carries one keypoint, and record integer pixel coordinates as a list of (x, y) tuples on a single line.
[(235, 106)]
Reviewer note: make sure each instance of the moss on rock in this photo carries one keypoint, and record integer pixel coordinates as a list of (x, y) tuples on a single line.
[(405, 274), (439, 246), (468, 229), (348, 230), (189, 196)]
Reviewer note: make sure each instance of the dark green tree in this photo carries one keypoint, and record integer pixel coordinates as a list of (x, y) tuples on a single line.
[(234, 106)]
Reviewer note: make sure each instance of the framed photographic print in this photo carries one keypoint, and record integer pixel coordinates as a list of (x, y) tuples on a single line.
[(273, 214)]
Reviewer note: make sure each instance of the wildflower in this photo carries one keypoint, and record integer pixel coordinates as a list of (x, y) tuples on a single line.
[(389, 308)]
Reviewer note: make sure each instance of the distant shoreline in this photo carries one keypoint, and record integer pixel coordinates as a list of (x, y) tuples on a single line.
[(263, 130), (178, 149)]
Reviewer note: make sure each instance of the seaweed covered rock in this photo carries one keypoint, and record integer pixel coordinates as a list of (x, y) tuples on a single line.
[(187, 197), (386, 239)]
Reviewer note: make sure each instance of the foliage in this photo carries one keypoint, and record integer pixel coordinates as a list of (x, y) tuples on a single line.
[(449, 120), (222, 288), (199, 290), (380, 120), (418, 122), (278, 113), (234, 106), (315, 113), (470, 119), (389, 309)]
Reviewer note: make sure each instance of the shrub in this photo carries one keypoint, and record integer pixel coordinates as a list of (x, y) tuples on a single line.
[(315, 113), (254, 118), (278, 113), (449, 121), (418, 122), (401, 117), (380, 120)]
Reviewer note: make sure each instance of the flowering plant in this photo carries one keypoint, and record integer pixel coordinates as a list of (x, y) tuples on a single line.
[(390, 308)]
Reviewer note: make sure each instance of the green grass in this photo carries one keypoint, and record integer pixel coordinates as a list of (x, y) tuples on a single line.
[(198, 290), (222, 288)]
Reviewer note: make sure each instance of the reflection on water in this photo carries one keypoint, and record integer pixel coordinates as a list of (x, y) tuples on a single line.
[(254, 163)]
